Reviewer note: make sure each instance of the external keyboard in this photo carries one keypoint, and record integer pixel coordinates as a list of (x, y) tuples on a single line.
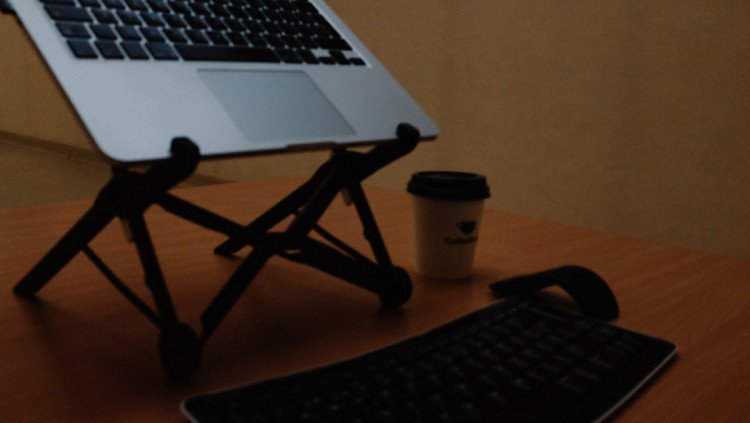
[(514, 361), (265, 31)]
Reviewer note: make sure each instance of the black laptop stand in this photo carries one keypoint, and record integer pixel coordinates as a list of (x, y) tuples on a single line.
[(128, 194)]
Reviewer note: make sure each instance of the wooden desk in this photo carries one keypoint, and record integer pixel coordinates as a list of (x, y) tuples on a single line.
[(82, 353)]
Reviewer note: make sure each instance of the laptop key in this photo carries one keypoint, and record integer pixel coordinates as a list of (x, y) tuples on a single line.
[(161, 51), (175, 35), (195, 22), (308, 57), (62, 2), (289, 56), (339, 57), (237, 39), (332, 43), (152, 19), (134, 50), (129, 18), (128, 33), (109, 50), (104, 16), (103, 32), (222, 53), (67, 13), (152, 34), (175, 21), (82, 49), (113, 4), (137, 5), (217, 38), (158, 6), (196, 36), (73, 30)]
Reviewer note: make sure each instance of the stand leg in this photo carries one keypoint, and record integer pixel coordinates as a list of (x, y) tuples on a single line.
[(233, 289), (371, 231), (90, 224), (152, 271)]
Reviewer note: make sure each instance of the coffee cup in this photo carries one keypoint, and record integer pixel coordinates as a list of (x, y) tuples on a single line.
[(448, 210)]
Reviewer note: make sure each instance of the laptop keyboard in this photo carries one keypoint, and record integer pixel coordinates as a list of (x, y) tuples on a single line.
[(264, 31)]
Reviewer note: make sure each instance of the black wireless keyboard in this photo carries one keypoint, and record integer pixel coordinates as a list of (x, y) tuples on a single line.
[(514, 361)]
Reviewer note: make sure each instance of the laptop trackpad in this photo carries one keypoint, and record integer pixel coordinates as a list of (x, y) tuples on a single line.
[(276, 105)]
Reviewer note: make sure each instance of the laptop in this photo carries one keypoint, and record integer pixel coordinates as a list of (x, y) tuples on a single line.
[(237, 77)]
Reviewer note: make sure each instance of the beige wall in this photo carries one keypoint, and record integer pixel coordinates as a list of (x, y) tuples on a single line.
[(632, 116)]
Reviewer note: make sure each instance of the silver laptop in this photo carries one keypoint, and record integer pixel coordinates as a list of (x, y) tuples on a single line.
[(237, 77)]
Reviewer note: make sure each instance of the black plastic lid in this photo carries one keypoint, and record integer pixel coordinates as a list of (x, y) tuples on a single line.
[(447, 185)]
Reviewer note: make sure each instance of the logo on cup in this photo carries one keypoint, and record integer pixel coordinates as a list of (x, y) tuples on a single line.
[(467, 228)]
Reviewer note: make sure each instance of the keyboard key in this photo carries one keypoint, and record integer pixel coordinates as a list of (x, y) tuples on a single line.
[(129, 18), (152, 19), (339, 57), (134, 50), (221, 53), (113, 4), (103, 32), (327, 60), (332, 43), (196, 36), (104, 16), (60, 2), (152, 34), (158, 6), (308, 57), (215, 23), (68, 13), (181, 7), (175, 21), (237, 39), (90, 3), (195, 22), (73, 30), (217, 38), (288, 56), (138, 5), (161, 51), (128, 33), (201, 9), (109, 50), (82, 49), (175, 35), (256, 40)]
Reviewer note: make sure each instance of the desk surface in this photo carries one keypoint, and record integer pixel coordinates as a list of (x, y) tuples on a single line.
[(82, 353)]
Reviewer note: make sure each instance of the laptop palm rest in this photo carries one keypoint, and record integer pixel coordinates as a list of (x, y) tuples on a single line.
[(284, 106)]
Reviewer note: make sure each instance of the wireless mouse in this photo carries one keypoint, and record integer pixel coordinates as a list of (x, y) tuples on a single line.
[(590, 292)]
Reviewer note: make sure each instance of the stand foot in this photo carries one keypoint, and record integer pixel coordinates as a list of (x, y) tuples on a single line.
[(396, 290), (180, 350)]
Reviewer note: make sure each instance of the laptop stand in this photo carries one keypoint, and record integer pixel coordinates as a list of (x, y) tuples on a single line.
[(128, 194)]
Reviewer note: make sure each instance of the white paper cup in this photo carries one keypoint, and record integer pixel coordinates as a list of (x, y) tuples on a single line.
[(448, 210)]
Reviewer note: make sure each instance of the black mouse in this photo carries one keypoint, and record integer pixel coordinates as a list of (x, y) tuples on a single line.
[(589, 290)]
